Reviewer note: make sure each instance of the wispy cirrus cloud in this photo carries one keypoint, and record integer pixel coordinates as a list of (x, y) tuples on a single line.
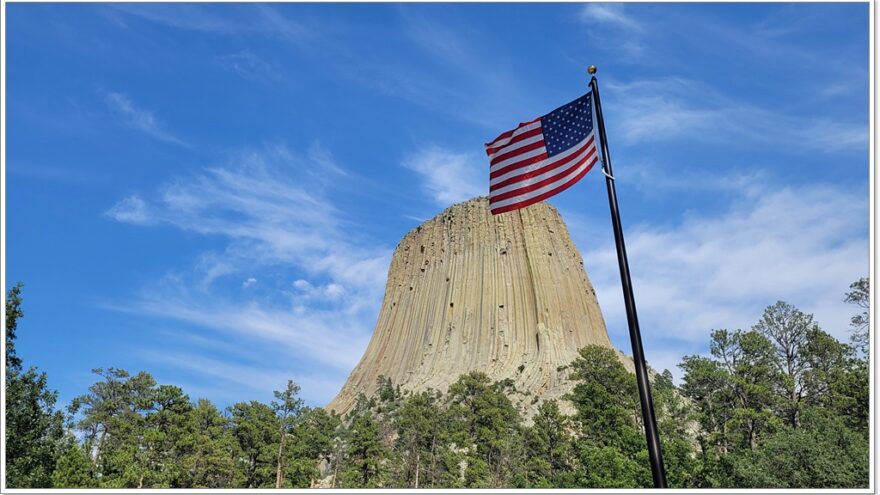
[(676, 108), (256, 20), (465, 89), (612, 24), (320, 284), (330, 338), (656, 181), (803, 244), (448, 176), (251, 66), (139, 118), (249, 380), (272, 207), (609, 13), (131, 209)]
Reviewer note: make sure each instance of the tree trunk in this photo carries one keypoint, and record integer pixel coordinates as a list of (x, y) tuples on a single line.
[(336, 467), (252, 471), (98, 448), (279, 475), (753, 438), (418, 462)]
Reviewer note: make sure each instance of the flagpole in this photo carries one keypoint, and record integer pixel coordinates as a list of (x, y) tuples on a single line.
[(655, 454)]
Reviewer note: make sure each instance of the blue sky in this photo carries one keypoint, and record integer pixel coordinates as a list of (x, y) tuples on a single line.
[(212, 192)]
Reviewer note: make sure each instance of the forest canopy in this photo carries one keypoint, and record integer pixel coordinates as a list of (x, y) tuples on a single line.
[(783, 404)]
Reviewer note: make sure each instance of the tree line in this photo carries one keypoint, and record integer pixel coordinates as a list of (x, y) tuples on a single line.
[(783, 404)]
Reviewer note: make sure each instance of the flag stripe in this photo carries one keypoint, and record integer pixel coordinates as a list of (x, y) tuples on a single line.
[(519, 139), (517, 151), (536, 185), (502, 207), (550, 169), (519, 161), (506, 137), (496, 173), (530, 170)]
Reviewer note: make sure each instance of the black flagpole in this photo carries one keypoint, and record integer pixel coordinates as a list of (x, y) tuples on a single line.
[(655, 453)]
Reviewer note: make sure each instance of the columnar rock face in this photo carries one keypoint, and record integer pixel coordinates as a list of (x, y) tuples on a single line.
[(506, 295)]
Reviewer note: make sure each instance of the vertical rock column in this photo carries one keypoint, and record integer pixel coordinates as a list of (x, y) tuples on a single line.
[(506, 295)]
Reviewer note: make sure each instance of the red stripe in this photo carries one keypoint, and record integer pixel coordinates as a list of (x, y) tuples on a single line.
[(505, 135), (520, 164), (510, 154), (546, 168), (518, 138), (543, 196), (541, 183)]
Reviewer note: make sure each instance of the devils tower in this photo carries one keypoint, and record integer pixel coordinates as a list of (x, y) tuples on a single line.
[(467, 290)]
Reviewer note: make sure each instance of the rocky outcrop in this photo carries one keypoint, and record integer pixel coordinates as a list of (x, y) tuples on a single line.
[(504, 294)]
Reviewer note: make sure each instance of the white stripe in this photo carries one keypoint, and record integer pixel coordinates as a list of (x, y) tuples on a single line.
[(517, 145), (539, 178), (535, 166), (502, 142), (541, 190), (518, 158)]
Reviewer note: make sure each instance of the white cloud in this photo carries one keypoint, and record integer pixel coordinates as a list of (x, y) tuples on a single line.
[(334, 291), (332, 338), (255, 379), (139, 118), (130, 210), (609, 25), (275, 221), (804, 245), (449, 177), (609, 13), (251, 66), (675, 108), (463, 89), (256, 20), (307, 291), (265, 203), (656, 180)]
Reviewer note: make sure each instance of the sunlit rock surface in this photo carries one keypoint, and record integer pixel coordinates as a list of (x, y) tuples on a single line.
[(506, 295)]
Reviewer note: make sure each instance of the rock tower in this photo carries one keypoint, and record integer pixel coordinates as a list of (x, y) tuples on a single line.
[(506, 295)]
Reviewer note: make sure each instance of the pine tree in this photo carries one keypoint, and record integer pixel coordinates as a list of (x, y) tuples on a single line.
[(365, 458), (788, 328), (255, 427), (610, 446), (485, 426), (73, 469), (418, 433), (312, 441), (549, 449), (114, 427), (288, 406), (34, 429), (214, 460), (860, 296), (676, 419)]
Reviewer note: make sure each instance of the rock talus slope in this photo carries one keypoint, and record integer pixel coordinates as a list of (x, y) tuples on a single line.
[(505, 294)]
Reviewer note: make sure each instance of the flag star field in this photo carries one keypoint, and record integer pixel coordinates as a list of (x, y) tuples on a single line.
[(568, 124)]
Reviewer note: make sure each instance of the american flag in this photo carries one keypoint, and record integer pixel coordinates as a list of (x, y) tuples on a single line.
[(542, 157)]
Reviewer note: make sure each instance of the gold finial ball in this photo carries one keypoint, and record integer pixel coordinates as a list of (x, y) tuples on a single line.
[(591, 69)]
